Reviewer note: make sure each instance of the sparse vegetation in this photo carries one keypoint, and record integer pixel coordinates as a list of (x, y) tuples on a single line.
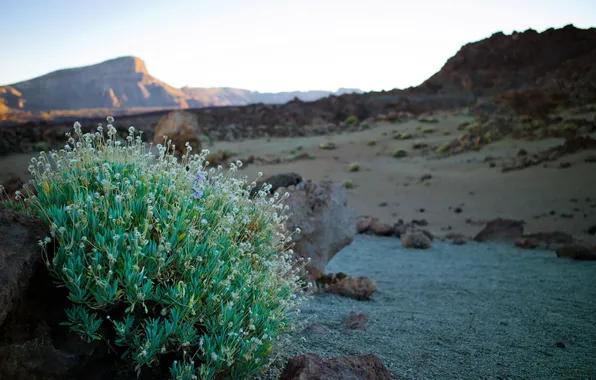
[(428, 119), (443, 147), (371, 142), (402, 136), (354, 167), (399, 153), (327, 145), (429, 130), (348, 184), (351, 120)]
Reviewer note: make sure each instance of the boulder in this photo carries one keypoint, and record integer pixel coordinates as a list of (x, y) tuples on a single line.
[(577, 251), (276, 181), (19, 256), (501, 230), (312, 367), (326, 222), (180, 127), (415, 239)]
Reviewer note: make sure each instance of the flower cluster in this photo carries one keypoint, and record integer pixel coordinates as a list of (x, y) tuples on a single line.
[(171, 257)]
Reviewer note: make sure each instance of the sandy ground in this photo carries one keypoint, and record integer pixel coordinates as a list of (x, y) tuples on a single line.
[(477, 311), (452, 312), (463, 181)]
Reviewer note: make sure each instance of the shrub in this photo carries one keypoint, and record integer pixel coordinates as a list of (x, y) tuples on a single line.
[(168, 260), (429, 130), (328, 145), (371, 142), (399, 153), (348, 184), (353, 167), (351, 120), (363, 125), (402, 136), (443, 148)]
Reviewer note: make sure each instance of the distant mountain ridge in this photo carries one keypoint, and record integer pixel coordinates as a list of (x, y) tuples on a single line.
[(125, 82)]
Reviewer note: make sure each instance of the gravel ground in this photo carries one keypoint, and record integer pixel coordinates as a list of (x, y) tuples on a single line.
[(477, 311)]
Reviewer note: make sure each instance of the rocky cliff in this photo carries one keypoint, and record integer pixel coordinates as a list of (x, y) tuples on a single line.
[(118, 83)]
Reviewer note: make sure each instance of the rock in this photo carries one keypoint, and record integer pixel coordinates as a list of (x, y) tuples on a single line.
[(577, 251), (550, 239), (381, 229), (359, 288), (12, 184), (501, 230), (526, 243), (457, 239), (326, 222), (312, 367), (364, 223), (356, 321), (277, 181), (425, 177), (19, 256), (415, 239), (180, 127)]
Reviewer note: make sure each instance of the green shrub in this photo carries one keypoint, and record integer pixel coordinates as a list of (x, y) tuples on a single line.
[(353, 167), (351, 120), (399, 153), (328, 145), (429, 119), (172, 260), (402, 136), (443, 148), (371, 142), (429, 130), (363, 125), (348, 184)]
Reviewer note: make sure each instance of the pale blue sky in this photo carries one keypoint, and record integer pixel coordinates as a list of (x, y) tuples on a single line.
[(266, 45)]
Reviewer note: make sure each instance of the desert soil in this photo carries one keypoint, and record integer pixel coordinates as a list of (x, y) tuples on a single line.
[(389, 188)]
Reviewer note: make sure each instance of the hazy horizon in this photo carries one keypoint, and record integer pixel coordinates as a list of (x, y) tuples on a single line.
[(266, 46)]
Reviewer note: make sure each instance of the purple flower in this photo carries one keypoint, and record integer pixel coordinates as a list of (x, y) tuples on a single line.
[(197, 193)]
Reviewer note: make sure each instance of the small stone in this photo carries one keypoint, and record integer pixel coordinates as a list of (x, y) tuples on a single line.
[(355, 321)]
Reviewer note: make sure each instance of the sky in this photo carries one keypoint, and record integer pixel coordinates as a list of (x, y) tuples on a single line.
[(266, 45)]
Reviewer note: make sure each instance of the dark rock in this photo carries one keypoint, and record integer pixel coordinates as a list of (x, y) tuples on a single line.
[(312, 367), (277, 181), (501, 230), (577, 251)]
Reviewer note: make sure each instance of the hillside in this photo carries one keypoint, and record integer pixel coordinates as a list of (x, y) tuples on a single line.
[(124, 83)]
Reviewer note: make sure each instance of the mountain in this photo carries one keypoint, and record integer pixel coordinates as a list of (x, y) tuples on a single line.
[(552, 59), (125, 83)]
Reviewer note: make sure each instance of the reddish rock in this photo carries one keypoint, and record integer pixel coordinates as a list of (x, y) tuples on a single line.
[(501, 230), (526, 243), (356, 321), (364, 223), (381, 229), (360, 288), (577, 251), (312, 367)]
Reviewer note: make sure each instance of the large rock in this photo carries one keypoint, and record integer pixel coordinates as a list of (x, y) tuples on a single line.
[(19, 256), (181, 127), (312, 367), (326, 221)]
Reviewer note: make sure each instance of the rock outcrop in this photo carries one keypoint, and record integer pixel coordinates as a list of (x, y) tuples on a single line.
[(312, 367)]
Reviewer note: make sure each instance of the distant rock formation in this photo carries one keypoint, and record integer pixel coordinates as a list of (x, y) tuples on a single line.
[(118, 83), (123, 83)]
